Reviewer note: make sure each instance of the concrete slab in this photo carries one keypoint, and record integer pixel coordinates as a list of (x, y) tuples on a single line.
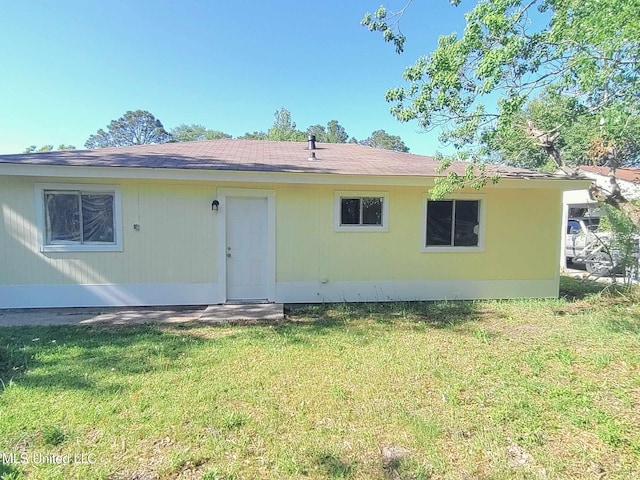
[(232, 312), (87, 316)]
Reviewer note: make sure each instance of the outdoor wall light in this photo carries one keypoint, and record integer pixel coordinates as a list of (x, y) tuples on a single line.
[(214, 205)]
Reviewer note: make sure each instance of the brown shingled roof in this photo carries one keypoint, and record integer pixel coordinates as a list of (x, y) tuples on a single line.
[(259, 155), (628, 174)]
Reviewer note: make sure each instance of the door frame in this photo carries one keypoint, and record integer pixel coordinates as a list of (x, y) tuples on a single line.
[(270, 196)]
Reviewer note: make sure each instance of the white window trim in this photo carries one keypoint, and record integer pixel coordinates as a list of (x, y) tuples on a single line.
[(337, 211), (481, 225), (40, 188)]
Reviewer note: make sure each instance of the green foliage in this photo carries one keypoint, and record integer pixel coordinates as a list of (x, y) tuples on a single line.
[(53, 436), (35, 149), (565, 73), (318, 131), (334, 133), (377, 22), (475, 177), (625, 237), (455, 385), (255, 135), (284, 128), (381, 139), (47, 148), (133, 128), (195, 132)]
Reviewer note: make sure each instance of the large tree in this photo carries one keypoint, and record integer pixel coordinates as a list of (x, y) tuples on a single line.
[(579, 58), (333, 133), (336, 132), (381, 139), (284, 128), (195, 132), (133, 128)]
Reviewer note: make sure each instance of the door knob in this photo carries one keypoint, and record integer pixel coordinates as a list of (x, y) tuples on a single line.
[(228, 255)]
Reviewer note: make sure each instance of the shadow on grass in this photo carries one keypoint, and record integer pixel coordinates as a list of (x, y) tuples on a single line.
[(73, 357), (439, 314), (334, 467), (80, 357), (98, 358), (616, 301), (7, 472), (626, 325), (573, 289)]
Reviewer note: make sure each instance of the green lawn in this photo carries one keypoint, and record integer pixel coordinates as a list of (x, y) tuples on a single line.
[(531, 389)]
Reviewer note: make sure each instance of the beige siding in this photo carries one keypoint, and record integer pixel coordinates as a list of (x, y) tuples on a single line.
[(521, 241), (176, 241)]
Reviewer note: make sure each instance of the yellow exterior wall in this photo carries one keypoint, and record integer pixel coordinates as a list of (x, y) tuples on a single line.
[(521, 241), (176, 241), (177, 237)]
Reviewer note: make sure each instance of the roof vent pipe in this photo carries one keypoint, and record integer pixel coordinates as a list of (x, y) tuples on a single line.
[(312, 157), (312, 142)]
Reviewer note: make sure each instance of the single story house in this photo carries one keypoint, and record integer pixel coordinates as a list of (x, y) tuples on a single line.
[(240, 220)]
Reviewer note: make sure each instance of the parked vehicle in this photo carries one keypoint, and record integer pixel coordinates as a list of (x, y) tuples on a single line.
[(587, 246)]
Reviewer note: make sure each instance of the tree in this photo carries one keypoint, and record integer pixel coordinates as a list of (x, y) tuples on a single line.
[(34, 148), (255, 135), (284, 128), (133, 128), (319, 132), (381, 139), (47, 148), (334, 132), (560, 131), (194, 132), (520, 51)]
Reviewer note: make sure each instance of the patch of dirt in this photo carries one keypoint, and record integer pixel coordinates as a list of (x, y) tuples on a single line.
[(518, 457), (134, 476), (392, 456), (522, 332)]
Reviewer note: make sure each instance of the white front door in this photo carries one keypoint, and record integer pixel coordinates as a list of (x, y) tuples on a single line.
[(246, 248)]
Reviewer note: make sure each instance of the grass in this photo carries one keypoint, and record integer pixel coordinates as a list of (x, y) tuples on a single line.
[(529, 389)]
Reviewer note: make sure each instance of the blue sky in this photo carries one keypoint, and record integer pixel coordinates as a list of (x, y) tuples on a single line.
[(67, 68)]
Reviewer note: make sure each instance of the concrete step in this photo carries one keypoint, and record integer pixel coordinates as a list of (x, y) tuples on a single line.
[(236, 312)]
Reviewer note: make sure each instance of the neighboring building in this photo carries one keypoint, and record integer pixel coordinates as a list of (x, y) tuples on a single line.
[(628, 179), (241, 220)]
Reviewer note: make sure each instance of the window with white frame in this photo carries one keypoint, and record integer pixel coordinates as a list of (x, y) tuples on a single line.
[(79, 217), (453, 224), (361, 211)]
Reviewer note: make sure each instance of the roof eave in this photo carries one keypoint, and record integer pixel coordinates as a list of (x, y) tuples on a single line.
[(210, 175)]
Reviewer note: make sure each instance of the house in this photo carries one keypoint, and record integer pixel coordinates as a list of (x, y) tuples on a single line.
[(628, 179), (240, 220)]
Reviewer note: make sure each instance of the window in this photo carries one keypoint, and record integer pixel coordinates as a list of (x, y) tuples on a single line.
[(81, 218), (452, 225), (360, 211)]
